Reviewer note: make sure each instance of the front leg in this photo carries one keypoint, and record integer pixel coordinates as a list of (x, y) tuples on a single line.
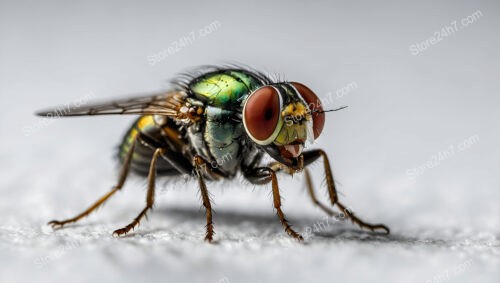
[(276, 166), (264, 175), (311, 156)]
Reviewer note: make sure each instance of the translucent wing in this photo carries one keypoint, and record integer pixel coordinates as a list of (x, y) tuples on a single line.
[(167, 103)]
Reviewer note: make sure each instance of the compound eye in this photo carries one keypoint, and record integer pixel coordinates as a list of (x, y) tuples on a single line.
[(315, 106), (261, 115)]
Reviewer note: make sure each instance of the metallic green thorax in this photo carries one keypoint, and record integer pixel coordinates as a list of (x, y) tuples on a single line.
[(223, 93), (224, 89)]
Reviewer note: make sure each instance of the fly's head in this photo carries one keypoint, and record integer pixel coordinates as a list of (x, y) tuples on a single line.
[(282, 118)]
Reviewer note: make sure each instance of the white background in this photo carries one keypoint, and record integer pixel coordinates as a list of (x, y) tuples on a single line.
[(406, 109)]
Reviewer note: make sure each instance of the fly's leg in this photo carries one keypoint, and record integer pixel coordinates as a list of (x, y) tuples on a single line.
[(312, 195), (277, 205), (309, 157), (201, 169), (276, 166), (121, 181), (150, 197), (265, 175)]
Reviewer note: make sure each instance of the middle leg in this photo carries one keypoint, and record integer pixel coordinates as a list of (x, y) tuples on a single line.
[(201, 169)]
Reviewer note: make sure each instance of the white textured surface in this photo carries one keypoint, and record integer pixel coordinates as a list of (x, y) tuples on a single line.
[(405, 110), (251, 245)]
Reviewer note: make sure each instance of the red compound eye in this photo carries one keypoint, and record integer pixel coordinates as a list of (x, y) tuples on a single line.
[(261, 114), (315, 105)]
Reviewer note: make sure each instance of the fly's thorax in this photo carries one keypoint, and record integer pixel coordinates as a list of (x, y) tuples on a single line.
[(197, 141), (224, 88), (191, 111), (218, 139)]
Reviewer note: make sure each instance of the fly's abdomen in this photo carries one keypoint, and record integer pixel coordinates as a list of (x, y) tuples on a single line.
[(150, 133)]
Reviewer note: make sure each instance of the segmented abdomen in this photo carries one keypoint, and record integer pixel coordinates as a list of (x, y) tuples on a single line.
[(151, 132)]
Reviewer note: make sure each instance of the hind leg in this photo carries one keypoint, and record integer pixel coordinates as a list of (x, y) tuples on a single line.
[(149, 197), (121, 181)]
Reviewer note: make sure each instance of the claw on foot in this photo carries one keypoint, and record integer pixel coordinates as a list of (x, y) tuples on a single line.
[(299, 238), (380, 227), (295, 235), (55, 224), (123, 231)]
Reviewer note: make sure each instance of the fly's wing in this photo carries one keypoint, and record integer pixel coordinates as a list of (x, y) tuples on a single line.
[(167, 103)]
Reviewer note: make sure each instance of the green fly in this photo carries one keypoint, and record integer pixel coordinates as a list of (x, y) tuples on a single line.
[(215, 123)]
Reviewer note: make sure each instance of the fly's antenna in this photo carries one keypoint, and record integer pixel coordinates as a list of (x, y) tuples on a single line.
[(331, 110)]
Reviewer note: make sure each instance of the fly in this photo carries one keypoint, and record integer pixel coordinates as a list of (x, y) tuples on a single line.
[(231, 117)]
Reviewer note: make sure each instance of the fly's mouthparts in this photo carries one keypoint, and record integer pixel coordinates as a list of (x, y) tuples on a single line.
[(292, 150)]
